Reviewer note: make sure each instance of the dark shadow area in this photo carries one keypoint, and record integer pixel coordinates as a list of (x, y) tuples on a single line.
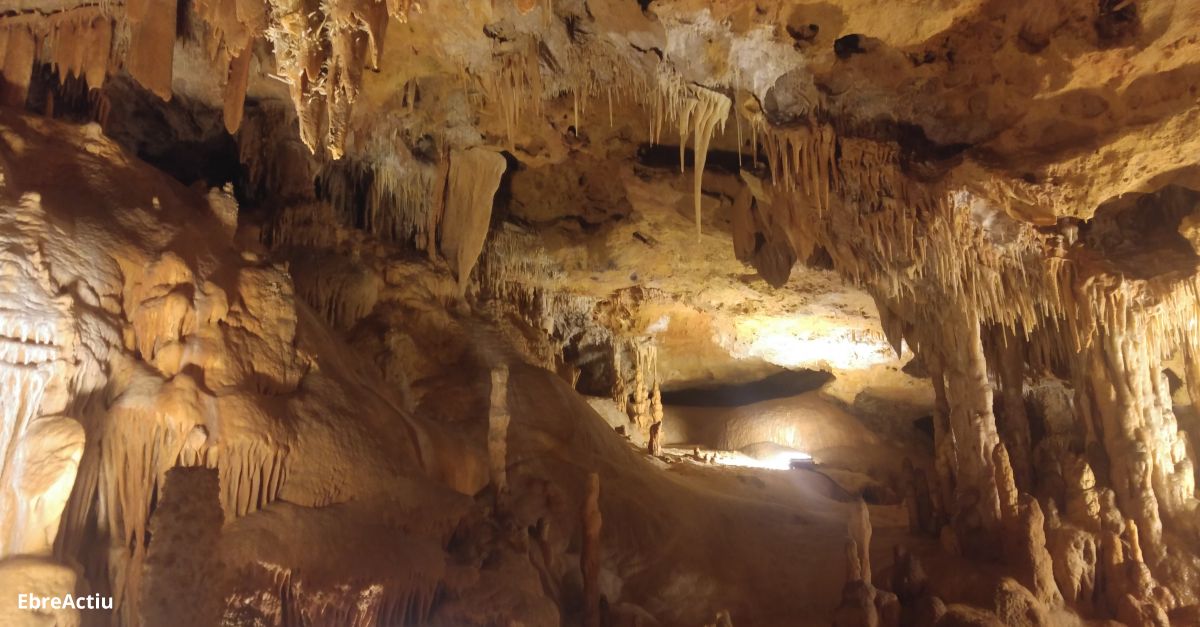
[(661, 156), (69, 100), (1139, 234), (780, 385), (181, 137)]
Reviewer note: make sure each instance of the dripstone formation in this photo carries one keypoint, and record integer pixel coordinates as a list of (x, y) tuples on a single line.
[(600, 312)]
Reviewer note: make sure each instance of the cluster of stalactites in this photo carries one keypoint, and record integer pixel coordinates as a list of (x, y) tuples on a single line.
[(515, 87), (517, 279), (987, 300), (389, 200), (513, 261), (122, 479), (321, 56), (912, 242), (591, 71), (697, 112), (231, 33), (75, 42)]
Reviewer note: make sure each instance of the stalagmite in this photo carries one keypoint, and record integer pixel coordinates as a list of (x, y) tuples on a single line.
[(744, 227), (656, 404), (498, 419), (589, 556), (471, 184), (654, 445), (1083, 503), (1074, 555), (1006, 485), (862, 604), (860, 532), (854, 566), (921, 517), (176, 574)]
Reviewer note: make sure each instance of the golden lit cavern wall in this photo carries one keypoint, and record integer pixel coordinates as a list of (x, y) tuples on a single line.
[(969, 167)]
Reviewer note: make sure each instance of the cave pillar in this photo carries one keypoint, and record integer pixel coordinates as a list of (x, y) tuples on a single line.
[(972, 423), (943, 440), (1015, 432), (1139, 434)]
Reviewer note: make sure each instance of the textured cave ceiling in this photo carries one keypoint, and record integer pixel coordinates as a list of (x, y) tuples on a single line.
[(512, 311)]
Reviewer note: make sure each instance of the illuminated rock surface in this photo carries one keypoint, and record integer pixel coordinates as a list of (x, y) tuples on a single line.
[(600, 312)]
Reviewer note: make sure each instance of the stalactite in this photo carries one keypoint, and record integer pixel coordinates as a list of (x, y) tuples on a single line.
[(321, 55), (698, 112), (96, 52), (437, 206), (398, 201), (472, 182), (132, 452), (18, 66), (151, 44), (235, 89), (516, 86), (24, 375), (341, 291)]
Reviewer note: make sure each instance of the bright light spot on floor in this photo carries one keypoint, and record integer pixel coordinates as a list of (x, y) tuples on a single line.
[(783, 460)]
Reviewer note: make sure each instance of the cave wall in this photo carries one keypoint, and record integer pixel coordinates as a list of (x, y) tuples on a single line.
[(1010, 186)]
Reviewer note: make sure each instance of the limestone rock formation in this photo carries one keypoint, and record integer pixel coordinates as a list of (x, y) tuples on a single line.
[(341, 312)]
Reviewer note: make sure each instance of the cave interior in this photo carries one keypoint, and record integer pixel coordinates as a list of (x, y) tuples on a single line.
[(599, 313)]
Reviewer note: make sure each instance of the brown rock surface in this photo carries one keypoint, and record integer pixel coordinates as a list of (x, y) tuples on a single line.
[(351, 302)]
